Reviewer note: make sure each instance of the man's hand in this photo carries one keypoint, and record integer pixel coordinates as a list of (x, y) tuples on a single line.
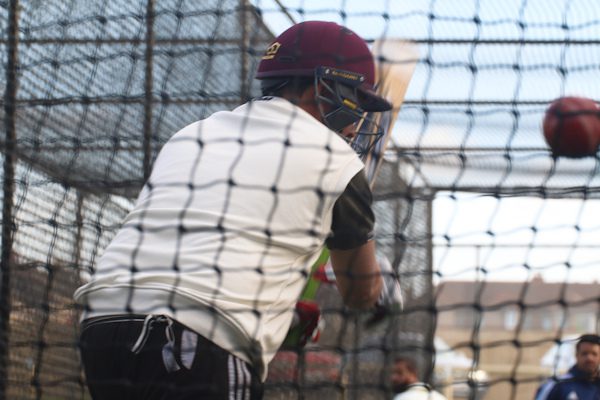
[(390, 299), (391, 292)]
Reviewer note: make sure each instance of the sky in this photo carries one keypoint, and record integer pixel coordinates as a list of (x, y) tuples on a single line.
[(512, 238), (516, 238)]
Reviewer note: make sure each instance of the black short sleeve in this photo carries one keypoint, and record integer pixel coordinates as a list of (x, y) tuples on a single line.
[(353, 217)]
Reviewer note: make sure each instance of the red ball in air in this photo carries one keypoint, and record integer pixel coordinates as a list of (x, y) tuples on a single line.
[(572, 127)]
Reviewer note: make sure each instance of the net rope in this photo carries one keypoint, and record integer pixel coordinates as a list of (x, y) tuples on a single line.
[(492, 237)]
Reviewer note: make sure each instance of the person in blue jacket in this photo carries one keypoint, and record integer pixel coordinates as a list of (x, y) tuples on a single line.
[(582, 381)]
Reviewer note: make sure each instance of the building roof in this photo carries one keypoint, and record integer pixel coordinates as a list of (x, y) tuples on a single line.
[(534, 293), (93, 112)]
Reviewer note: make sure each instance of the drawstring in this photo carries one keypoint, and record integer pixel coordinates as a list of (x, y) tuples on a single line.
[(174, 356), (147, 328), (169, 330)]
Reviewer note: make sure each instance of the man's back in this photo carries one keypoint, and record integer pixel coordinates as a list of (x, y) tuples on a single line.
[(237, 207)]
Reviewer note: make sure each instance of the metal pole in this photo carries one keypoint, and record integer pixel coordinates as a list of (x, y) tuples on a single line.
[(244, 91), (430, 333), (148, 85), (285, 12), (8, 187)]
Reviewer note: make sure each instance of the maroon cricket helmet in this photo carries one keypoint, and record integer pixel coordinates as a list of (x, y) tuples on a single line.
[(303, 48)]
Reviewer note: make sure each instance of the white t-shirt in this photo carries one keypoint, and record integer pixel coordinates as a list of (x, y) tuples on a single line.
[(419, 392), (235, 212)]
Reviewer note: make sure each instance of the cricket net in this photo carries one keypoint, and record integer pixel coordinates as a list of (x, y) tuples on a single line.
[(493, 239)]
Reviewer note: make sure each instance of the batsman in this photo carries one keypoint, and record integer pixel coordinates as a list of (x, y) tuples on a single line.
[(195, 294)]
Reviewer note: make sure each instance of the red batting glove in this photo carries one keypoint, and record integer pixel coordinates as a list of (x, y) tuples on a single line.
[(307, 318), (324, 273)]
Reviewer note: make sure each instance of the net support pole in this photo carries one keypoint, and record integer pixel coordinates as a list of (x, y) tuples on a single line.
[(79, 221), (148, 86), (244, 91), (8, 188), (430, 332)]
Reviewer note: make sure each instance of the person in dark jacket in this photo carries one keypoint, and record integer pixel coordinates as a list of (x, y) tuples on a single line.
[(582, 381)]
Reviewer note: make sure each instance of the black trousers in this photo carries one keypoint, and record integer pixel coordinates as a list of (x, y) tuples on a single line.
[(157, 358)]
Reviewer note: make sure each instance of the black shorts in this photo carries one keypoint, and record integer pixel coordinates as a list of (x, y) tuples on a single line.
[(155, 357)]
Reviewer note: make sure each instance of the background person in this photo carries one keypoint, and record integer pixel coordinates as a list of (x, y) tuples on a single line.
[(406, 383), (581, 382)]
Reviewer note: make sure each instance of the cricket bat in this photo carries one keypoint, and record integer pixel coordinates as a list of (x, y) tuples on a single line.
[(396, 60)]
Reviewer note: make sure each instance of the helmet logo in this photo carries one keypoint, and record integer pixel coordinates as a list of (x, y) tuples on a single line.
[(271, 51), (351, 76)]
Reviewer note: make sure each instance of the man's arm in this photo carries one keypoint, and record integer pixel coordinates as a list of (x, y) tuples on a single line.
[(357, 274), (351, 245)]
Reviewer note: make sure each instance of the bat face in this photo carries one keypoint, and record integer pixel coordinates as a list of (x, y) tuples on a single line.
[(396, 61)]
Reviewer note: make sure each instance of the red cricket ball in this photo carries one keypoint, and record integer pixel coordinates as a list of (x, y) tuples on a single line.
[(572, 127)]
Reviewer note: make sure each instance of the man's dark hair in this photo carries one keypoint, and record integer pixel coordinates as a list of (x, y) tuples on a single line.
[(277, 86), (410, 363), (587, 338)]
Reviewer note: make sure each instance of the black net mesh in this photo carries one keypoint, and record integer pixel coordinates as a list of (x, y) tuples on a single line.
[(492, 237)]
